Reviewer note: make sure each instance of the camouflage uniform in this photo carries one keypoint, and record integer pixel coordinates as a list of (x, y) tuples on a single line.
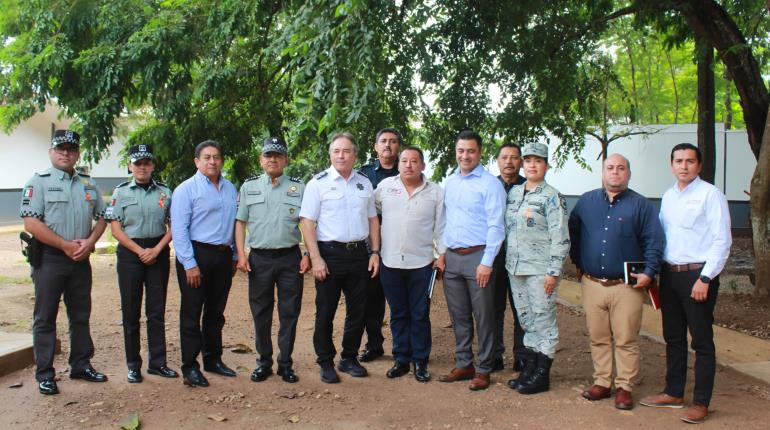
[(537, 242)]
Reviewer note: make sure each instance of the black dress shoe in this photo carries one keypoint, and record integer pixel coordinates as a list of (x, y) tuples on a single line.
[(352, 367), (134, 376), (219, 368), (498, 364), (288, 375), (370, 355), (261, 373), (194, 378), (421, 373), (328, 374), (398, 369), (48, 386), (89, 374), (162, 371)]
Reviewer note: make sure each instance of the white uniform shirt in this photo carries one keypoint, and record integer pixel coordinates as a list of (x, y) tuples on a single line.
[(341, 208), (412, 226), (696, 221)]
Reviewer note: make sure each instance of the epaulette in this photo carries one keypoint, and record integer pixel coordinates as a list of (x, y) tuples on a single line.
[(362, 174), (161, 184), (123, 184), (253, 178), (321, 175), (83, 175), (297, 180), (44, 173)]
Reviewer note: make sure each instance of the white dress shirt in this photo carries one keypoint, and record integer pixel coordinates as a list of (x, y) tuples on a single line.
[(412, 226), (696, 221), (341, 208)]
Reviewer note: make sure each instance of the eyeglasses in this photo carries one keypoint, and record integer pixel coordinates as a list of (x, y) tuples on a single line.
[(66, 150)]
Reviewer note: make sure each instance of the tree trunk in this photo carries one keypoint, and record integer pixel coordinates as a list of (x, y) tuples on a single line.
[(760, 216), (706, 117), (728, 100), (673, 84), (710, 20)]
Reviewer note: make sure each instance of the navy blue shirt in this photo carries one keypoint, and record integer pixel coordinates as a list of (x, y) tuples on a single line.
[(376, 173), (605, 234)]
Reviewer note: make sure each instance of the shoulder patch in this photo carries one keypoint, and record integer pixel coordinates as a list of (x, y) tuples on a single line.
[(362, 174), (321, 175), (252, 178)]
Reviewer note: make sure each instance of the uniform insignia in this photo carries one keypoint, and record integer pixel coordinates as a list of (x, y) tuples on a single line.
[(293, 188), (25, 202), (28, 192), (291, 211), (162, 200), (253, 178), (362, 174), (530, 222), (109, 211), (321, 175), (254, 193), (88, 196), (290, 194), (293, 179), (44, 174), (55, 189), (84, 181), (123, 184), (359, 185), (112, 203)]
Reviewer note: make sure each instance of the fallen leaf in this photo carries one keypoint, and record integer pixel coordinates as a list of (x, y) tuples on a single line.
[(217, 417), (18, 384), (131, 423), (294, 419), (241, 348)]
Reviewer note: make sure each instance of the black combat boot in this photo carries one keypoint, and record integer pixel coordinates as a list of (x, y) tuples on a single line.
[(529, 358), (540, 380)]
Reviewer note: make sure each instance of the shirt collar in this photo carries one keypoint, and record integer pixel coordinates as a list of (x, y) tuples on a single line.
[(475, 172), (620, 195), (401, 184), (133, 183), (200, 175), (269, 180), (61, 174), (689, 186), (378, 166)]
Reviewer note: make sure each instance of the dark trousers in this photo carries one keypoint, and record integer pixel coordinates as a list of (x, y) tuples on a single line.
[(504, 296), (680, 313), (348, 270), (407, 294), (374, 314), (271, 268), (58, 275), (134, 279), (204, 335)]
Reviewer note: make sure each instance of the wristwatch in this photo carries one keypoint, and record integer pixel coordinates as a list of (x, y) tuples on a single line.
[(306, 254), (705, 279)]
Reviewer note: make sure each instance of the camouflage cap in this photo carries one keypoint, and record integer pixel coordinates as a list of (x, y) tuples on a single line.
[(274, 144), (537, 149)]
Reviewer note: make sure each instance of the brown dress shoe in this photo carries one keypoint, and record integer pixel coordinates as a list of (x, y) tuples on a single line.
[(596, 392), (662, 400), (695, 414), (623, 399), (480, 382), (459, 374)]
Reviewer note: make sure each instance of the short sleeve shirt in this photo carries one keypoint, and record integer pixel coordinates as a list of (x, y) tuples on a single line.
[(271, 212), (142, 213), (66, 204), (341, 207)]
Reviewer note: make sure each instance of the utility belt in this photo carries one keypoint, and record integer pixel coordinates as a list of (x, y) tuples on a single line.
[(31, 248)]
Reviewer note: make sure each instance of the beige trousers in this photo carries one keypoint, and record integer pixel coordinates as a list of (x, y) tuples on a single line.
[(613, 314)]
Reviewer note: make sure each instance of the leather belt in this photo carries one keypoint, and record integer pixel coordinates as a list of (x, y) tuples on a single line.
[(605, 282), (466, 251), (346, 245), (214, 246), (683, 267), (278, 252)]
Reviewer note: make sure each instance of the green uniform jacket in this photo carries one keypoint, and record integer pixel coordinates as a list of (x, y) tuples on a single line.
[(142, 213), (66, 204), (271, 212)]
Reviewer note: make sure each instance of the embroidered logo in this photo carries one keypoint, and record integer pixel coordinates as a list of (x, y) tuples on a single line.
[(28, 192), (162, 200), (359, 185)]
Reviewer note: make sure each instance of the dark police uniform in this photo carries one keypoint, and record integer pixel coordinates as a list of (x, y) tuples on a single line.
[(67, 204), (143, 213), (375, 296), (272, 216)]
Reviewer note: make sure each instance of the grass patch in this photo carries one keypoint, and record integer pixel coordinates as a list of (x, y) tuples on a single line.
[(15, 280)]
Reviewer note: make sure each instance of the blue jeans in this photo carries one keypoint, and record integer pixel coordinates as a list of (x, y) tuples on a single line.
[(407, 293)]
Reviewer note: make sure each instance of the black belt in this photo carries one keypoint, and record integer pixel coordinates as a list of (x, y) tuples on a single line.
[(48, 249), (274, 253), (146, 242), (345, 245), (213, 246)]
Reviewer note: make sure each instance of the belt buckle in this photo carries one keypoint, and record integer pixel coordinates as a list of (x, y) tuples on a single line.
[(351, 245)]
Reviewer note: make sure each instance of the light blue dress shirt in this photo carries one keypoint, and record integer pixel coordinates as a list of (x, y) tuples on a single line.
[(202, 213), (475, 209)]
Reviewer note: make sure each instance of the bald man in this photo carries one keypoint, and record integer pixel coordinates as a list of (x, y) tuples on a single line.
[(609, 226)]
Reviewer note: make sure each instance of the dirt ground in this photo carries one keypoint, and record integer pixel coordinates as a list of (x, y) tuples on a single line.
[(373, 402)]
